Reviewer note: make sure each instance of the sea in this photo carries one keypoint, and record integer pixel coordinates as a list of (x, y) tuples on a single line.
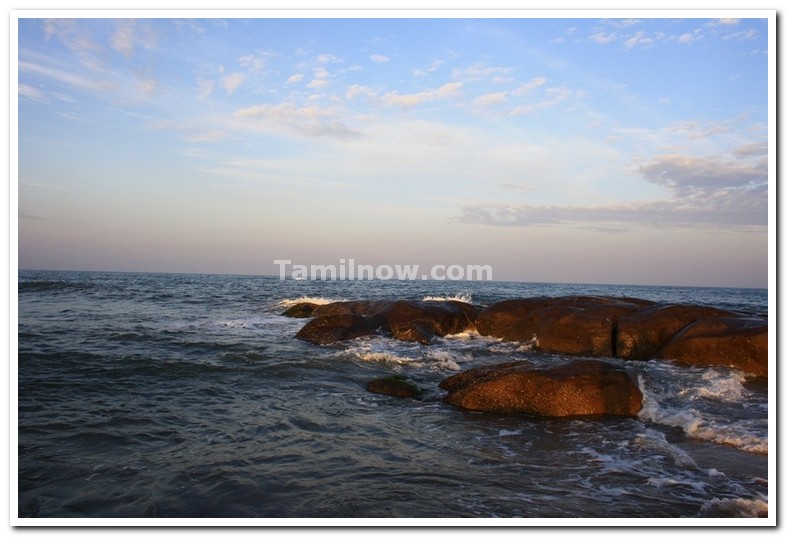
[(187, 396)]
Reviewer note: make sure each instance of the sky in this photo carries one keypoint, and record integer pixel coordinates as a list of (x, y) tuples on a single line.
[(585, 150)]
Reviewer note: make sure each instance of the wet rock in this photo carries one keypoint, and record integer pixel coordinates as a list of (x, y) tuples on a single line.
[(367, 308), (395, 385), (573, 389), (504, 319), (301, 310), (576, 325), (740, 342), (641, 334), (577, 331), (327, 329), (421, 321)]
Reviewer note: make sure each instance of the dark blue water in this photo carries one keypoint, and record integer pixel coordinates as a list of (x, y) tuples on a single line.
[(164, 395)]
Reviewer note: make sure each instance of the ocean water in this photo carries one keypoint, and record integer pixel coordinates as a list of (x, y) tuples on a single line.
[(171, 395)]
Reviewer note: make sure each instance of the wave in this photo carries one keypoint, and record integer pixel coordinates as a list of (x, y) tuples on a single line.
[(459, 297), (53, 286), (700, 426), (290, 302)]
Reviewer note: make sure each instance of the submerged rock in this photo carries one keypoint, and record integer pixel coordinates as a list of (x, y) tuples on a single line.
[(337, 327), (301, 310), (395, 385), (577, 388)]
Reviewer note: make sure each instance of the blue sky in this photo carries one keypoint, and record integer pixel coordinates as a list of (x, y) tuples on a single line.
[(616, 150)]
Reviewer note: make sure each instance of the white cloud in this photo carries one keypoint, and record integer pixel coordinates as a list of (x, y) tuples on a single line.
[(123, 39), (690, 37), (254, 62), (294, 79), (32, 93), (554, 95), (67, 77), (491, 99), (357, 89), (413, 99), (317, 83), (529, 86), (729, 22), (478, 72), (303, 120), (379, 58), (641, 39), (205, 88), (328, 58), (232, 82), (603, 38)]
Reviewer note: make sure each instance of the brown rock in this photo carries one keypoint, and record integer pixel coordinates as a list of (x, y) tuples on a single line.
[(328, 329), (738, 342), (577, 325), (301, 310), (367, 308), (503, 319), (578, 388), (420, 321), (588, 331), (641, 334)]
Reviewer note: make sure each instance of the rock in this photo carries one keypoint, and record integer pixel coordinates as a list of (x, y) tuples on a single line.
[(366, 308), (395, 385), (641, 334), (301, 310), (503, 319), (577, 388), (420, 321), (577, 331), (592, 326), (740, 342), (355, 307), (328, 329), (577, 325)]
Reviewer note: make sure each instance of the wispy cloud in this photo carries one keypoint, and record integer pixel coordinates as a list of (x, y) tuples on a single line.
[(379, 58), (27, 91), (303, 120), (713, 192), (123, 39), (448, 90), (232, 82)]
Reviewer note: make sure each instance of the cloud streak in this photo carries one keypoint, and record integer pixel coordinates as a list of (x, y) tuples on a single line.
[(711, 192)]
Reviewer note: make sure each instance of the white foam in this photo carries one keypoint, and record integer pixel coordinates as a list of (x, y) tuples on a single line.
[(735, 508), (659, 482), (506, 432), (459, 297), (697, 426), (443, 360), (725, 385), (383, 357), (289, 302)]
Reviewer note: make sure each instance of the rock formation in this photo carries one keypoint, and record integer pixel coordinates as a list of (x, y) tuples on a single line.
[(588, 326), (576, 388)]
